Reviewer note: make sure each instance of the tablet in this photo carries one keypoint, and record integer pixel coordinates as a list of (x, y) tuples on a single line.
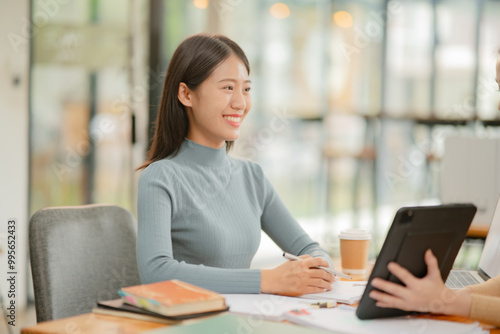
[(441, 228)]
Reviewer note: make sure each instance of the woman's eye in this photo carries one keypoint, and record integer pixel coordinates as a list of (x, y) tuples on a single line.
[(229, 87), (247, 89)]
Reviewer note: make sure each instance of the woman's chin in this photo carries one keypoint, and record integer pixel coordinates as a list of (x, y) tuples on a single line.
[(233, 136)]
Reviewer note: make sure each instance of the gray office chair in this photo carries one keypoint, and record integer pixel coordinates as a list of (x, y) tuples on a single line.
[(80, 255)]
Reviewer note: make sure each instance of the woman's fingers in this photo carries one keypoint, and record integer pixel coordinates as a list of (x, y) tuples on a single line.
[(311, 265), (432, 265), (312, 289), (320, 283), (389, 287), (320, 273), (402, 273), (417, 294), (313, 276), (385, 300), (295, 278), (381, 297)]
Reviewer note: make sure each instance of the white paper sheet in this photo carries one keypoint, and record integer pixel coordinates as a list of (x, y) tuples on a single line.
[(347, 292), (265, 306), (343, 319)]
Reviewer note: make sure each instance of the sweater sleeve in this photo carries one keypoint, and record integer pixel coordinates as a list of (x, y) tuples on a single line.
[(485, 309), (486, 301), (154, 244), (491, 287), (282, 227)]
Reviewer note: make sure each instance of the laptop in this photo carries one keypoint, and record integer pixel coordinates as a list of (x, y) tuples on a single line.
[(489, 264)]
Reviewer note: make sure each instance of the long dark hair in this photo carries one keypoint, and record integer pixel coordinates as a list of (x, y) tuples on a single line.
[(193, 62)]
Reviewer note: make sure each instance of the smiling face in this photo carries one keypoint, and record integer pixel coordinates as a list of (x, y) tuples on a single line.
[(217, 107)]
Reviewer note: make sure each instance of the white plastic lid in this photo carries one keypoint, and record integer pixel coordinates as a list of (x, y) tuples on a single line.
[(355, 234)]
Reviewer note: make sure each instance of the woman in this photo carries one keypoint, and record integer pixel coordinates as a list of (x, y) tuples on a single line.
[(429, 294), (200, 211)]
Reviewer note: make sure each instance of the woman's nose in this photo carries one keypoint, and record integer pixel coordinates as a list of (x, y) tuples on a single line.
[(238, 101)]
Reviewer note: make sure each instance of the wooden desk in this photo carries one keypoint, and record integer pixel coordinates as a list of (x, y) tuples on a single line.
[(456, 318), (92, 323), (103, 324)]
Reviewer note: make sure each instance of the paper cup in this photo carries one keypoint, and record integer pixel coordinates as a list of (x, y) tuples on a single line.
[(354, 247)]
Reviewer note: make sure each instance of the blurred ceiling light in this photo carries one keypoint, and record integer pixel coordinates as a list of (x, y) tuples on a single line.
[(279, 10), (200, 4), (343, 19)]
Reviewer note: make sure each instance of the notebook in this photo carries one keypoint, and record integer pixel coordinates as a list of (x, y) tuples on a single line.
[(489, 264), (173, 298), (117, 308)]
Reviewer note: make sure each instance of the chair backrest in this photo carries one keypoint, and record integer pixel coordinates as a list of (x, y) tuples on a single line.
[(80, 255)]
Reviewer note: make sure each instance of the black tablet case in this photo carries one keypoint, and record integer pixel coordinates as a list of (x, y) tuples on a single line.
[(441, 228)]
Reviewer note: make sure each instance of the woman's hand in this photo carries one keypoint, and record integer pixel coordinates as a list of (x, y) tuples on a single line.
[(295, 278), (428, 294)]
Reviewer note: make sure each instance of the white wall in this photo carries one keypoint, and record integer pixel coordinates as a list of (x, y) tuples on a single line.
[(470, 173), (14, 143)]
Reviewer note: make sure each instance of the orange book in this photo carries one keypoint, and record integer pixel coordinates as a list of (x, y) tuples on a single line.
[(173, 298)]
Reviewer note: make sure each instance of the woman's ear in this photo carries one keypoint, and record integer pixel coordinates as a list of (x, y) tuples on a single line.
[(184, 95)]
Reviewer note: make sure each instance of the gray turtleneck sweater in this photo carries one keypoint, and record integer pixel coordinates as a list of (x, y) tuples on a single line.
[(200, 218)]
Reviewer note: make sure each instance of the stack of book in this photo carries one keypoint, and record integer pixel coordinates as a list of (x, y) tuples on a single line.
[(164, 302)]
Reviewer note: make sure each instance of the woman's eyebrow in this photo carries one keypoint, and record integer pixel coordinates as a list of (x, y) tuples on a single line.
[(234, 80)]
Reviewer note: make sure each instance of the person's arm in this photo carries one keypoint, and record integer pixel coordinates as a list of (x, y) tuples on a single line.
[(491, 287), (154, 244), (486, 301), (291, 278), (485, 308), (427, 294)]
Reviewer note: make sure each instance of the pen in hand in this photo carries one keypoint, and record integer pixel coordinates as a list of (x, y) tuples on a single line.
[(328, 270)]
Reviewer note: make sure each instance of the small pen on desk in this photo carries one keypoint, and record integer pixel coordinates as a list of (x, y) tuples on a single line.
[(328, 270)]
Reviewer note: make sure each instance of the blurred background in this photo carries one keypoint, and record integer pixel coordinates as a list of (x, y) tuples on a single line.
[(352, 101)]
